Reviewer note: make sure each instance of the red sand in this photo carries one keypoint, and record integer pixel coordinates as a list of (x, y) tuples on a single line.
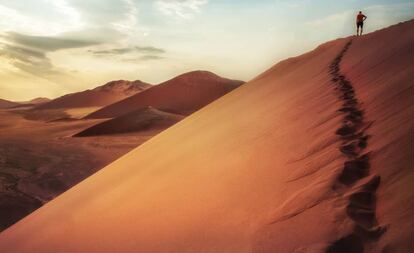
[(101, 96), (260, 170), (183, 95)]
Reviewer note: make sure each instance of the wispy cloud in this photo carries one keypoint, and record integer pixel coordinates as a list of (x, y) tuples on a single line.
[(129, 22), (29, 53), (182, 9), (47, 43), (125, 50), (28, 60), (135, 54)]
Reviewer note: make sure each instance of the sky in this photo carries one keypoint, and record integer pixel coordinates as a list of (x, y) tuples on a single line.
[(49, 48)]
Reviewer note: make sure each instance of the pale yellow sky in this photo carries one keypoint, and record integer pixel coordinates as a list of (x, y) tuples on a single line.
[(52, 47)]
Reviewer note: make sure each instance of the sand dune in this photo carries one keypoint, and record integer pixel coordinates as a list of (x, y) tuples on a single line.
[(4, 104), (39, 100), (140, 120), (31, 103), (36, 101), (100, 96), (183, 95), (314, 155)]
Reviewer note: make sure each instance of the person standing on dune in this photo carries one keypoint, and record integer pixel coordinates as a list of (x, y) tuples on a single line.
[(360, 22)]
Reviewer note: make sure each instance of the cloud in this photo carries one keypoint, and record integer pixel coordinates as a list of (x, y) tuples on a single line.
[(133, 54), (151, 57), (28, 60), (129, 22), (29, 53), (120, 16), (101, 12), (35, 16), (47, 43), (125, 50), (181, 9)]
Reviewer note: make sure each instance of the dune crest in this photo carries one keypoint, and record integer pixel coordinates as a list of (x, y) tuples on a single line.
[(100, 96), (183, 94)]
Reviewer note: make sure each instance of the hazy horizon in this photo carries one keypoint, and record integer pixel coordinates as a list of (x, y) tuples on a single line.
[(52, 47)]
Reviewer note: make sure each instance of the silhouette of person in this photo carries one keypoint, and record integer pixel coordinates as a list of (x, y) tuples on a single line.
[(360, 22)]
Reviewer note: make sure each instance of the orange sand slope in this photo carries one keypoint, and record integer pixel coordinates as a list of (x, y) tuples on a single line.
[(183, 94), (315, 155), (100, 96)]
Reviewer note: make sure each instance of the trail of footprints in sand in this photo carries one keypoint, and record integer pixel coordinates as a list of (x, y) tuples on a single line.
[(355, 178)]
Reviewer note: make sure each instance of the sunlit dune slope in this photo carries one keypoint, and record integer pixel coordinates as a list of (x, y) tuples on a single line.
[(314, 155), (100, 96), (39, 100), (183, 94), (140, 120)]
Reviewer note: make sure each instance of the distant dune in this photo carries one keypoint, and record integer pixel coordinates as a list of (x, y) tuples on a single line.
[(183, 95), (39, 100), (100, 96), (31, 103), (314, 156), (4, 104), (140, 120)]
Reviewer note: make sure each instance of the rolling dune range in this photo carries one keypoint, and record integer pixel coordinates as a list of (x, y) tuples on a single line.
[(314, 155), (40, 157)]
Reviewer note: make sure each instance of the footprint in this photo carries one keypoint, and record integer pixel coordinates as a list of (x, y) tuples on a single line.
[(354, 170), (348, 95), (347, 129), (353, 118), (348, 244), (363, 141), (361, 209), (354, 147), (349, 149), (370, 234), (351, 103), (363, 217)]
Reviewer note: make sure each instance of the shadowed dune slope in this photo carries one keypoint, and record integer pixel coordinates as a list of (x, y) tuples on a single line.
[(4, 104), (314, 155), (183, 95), (100, 96), (140, 120)]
